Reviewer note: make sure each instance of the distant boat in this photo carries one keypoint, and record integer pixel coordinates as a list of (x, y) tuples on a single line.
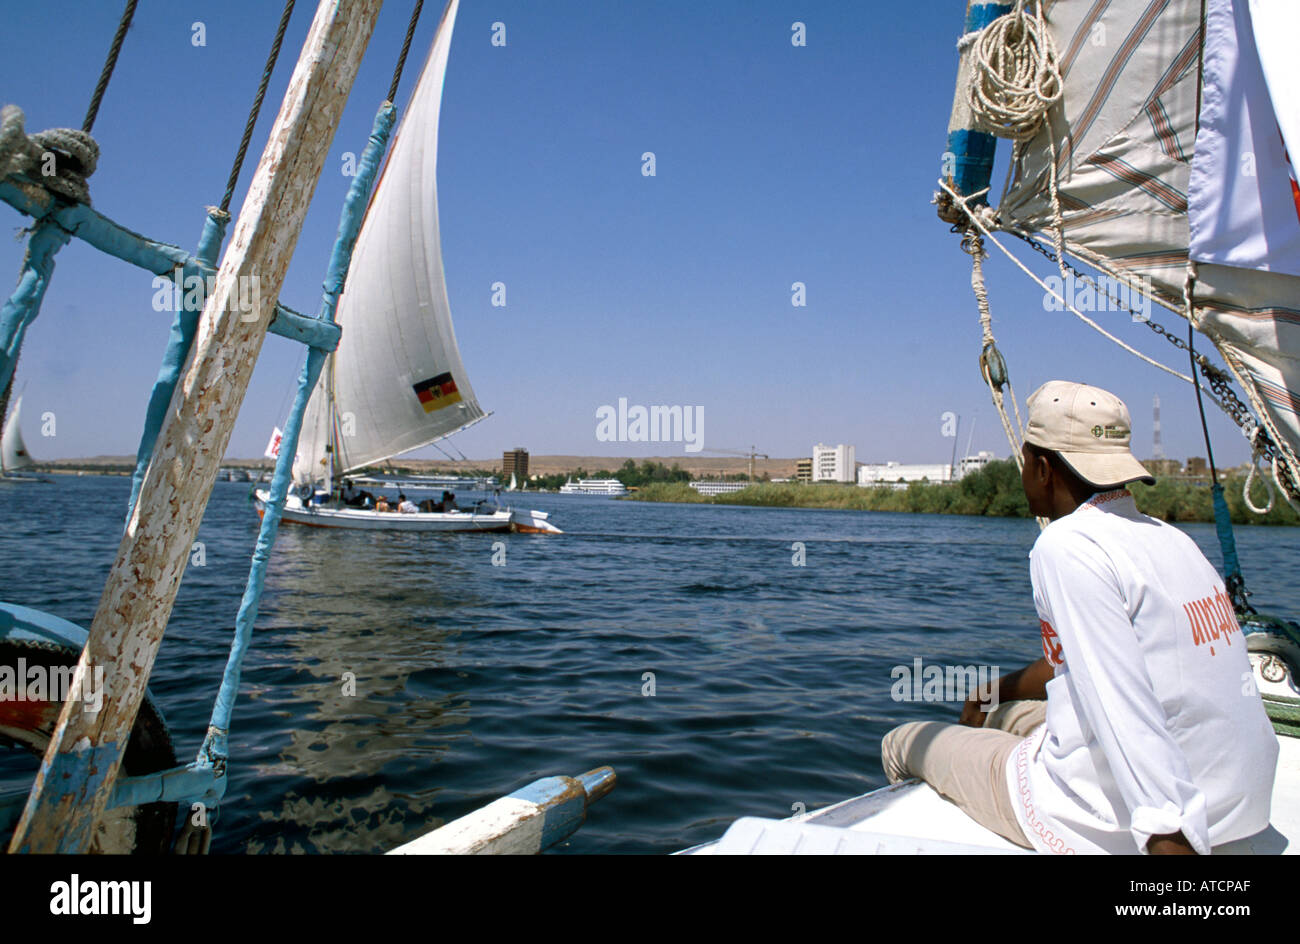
[(397, 381), (16, 463), (514, 485), (608, 487)]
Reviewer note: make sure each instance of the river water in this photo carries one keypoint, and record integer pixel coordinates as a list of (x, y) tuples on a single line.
[(771, 637)]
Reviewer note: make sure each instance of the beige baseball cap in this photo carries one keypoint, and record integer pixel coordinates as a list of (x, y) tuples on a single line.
[(1090, 429)]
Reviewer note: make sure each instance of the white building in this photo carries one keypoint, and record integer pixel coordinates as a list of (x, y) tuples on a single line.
[(974, 463), (718, 488), (897, 474), (833, 463)]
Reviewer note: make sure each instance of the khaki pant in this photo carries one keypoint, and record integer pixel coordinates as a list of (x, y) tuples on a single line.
[(967, 765)]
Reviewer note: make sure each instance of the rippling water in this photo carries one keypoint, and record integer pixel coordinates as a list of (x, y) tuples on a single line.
[(772, 681)]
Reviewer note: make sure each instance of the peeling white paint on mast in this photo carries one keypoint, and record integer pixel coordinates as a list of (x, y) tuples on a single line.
[(81, 765)]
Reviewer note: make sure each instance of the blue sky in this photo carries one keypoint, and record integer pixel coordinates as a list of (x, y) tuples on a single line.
[(775, 164)]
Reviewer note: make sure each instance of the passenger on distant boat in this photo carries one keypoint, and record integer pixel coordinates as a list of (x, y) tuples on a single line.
[(353, 496), (1134, 732), (381, 504), (405, 505)]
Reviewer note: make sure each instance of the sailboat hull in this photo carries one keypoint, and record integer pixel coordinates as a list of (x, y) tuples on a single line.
[(24, 478), (498, 521)]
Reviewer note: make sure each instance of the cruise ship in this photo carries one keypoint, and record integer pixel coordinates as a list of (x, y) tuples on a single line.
[(609, 487)]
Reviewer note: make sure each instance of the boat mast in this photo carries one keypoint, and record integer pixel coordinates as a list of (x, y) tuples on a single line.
[(331, 419), (81, 765)]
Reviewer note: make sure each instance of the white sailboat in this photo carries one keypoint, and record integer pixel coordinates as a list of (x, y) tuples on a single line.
[(397, 381), (16, 463), (1132, 148)]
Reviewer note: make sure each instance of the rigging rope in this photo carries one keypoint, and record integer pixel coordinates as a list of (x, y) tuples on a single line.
[(257, 107), (406, 47), (1015, 83), (978, 220), (110, 63)]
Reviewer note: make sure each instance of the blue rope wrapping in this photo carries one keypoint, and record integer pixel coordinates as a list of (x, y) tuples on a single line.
[(215, 747), (184, 328), (974, 151), (1223, 526), (22, 307)]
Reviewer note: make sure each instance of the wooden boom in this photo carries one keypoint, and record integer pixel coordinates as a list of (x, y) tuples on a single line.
[(81, 764)]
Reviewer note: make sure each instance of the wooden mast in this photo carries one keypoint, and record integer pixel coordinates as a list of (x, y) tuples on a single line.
[(81, 764)]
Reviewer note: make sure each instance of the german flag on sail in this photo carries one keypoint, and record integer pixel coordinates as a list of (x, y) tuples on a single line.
[(437, 392)]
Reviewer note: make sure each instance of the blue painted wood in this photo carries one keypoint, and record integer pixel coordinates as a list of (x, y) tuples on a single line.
[(192, 783), (973, 150), (23, 624), (215, 747), (188, 784), (563, 801), (22, 307), (159, 258), (185, 325), (87, 768)]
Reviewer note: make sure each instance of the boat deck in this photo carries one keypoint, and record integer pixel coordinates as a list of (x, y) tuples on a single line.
[(912, 819)]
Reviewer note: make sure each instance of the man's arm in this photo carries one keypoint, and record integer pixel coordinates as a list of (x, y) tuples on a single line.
[(1170, 844), (1114, 695), (1029, 683)]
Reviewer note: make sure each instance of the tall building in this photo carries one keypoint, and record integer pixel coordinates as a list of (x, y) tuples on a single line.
[(803, 470), (515, 461), (833, 463)]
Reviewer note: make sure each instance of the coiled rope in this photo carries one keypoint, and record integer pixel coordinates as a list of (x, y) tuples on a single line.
[(1014, 84)]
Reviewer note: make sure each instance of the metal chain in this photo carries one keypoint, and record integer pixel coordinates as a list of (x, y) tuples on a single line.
[(1220, 381)]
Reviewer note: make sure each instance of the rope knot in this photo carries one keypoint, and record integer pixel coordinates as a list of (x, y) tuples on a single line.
[(59, 159)]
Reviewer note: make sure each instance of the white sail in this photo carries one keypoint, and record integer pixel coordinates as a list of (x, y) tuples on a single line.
[(13, 451), (398, 379), (514, 484), (1125, 136)]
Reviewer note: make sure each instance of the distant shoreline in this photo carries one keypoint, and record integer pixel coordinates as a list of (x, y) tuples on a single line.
[(994, 492)]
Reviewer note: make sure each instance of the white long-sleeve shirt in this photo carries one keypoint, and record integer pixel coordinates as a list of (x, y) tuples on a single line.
[(1153, 722)]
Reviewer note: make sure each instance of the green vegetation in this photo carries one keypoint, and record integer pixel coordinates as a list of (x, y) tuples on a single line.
[(994, 491)]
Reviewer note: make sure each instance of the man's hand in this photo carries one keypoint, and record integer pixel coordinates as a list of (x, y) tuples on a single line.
[(1028, 683), (973, 713), (1170, 844)]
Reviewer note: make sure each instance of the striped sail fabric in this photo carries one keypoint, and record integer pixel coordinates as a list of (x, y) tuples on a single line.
[(1125, 135), (398, 379)]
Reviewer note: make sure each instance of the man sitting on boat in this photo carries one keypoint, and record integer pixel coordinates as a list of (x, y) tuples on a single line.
[(353, 496), (1139, 730), (405, 505)]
